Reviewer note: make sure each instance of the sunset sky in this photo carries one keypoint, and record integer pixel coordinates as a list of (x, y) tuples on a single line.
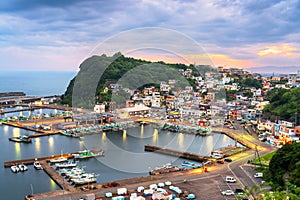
[(59, 35)]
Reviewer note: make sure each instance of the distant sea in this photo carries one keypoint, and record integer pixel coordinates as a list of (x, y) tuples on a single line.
[(36, 83)]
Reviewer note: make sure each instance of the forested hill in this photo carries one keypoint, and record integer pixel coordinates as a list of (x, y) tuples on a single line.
[(97, 72), (284, 103), (284, 170)]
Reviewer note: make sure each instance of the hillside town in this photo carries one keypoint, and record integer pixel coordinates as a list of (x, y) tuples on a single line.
[(215, 99)]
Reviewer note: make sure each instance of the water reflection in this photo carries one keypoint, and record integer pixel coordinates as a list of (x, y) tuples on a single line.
[(51, 144), (16, 132), (52, 184), (124, 136), (142, 131), (38, 146), (155, 137), (180, 140), (5, 129), (103, 136), (18, 150), (81, 144)]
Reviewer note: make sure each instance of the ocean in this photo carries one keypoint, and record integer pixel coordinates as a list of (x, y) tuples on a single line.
[(36, 83)]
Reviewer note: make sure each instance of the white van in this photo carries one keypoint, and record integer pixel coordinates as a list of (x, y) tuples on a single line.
[(230, 179), (258, 175)]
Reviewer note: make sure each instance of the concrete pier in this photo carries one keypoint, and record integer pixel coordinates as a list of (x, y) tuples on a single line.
[(181, 154), (30, 161)]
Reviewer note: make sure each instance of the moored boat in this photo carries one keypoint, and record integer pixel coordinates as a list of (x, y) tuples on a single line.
[(59, 159), (88, 153), (88, 175), (23, 167), (66, 165), (82, 181), (15, 168), (37, 165), (21, 138)]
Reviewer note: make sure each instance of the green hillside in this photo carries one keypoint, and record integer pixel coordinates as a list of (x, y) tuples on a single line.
[(284, 169), (284, 103), (98, 72)]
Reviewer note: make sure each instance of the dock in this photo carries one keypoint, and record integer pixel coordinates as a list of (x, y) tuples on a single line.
[(40, 132), (181, 154), (30, 161), (59, 180)]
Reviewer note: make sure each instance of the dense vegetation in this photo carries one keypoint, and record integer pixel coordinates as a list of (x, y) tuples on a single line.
[(98, 72), (284, 169), (248, 83), (284, 103)]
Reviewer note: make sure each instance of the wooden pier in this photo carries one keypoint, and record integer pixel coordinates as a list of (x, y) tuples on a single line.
[(181, 154), (58, 179)]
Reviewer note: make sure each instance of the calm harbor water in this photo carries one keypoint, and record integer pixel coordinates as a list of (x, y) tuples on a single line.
[(124, 155), (39, 83)]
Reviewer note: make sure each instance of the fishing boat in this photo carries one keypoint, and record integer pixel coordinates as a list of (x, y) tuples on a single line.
[(71, 172), (23, 167), (88, 153), (15, 168), (81, 176), (66, 165), (190, 164), (37, 165), (58, 160), (21, 138), (82, 181)]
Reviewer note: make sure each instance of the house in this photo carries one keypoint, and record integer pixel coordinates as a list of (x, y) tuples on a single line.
[(139, 110), (100, 108), (156, 100), (164, 87)]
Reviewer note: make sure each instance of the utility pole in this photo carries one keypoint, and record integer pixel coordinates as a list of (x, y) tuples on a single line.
[(257, 154)]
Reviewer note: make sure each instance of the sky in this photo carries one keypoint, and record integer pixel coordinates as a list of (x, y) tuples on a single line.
[(59, 35)]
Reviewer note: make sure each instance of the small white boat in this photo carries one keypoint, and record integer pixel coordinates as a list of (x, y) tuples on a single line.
[(37, 165), (59, 159), (23, 167), (66, 165), (71, 172), (15, 168), (78, 176), (82, 181)]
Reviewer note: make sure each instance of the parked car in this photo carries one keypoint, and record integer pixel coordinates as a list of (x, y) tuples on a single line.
[(239, 191), (228, 159), (258, 175), (230, 179), (227, 192)]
